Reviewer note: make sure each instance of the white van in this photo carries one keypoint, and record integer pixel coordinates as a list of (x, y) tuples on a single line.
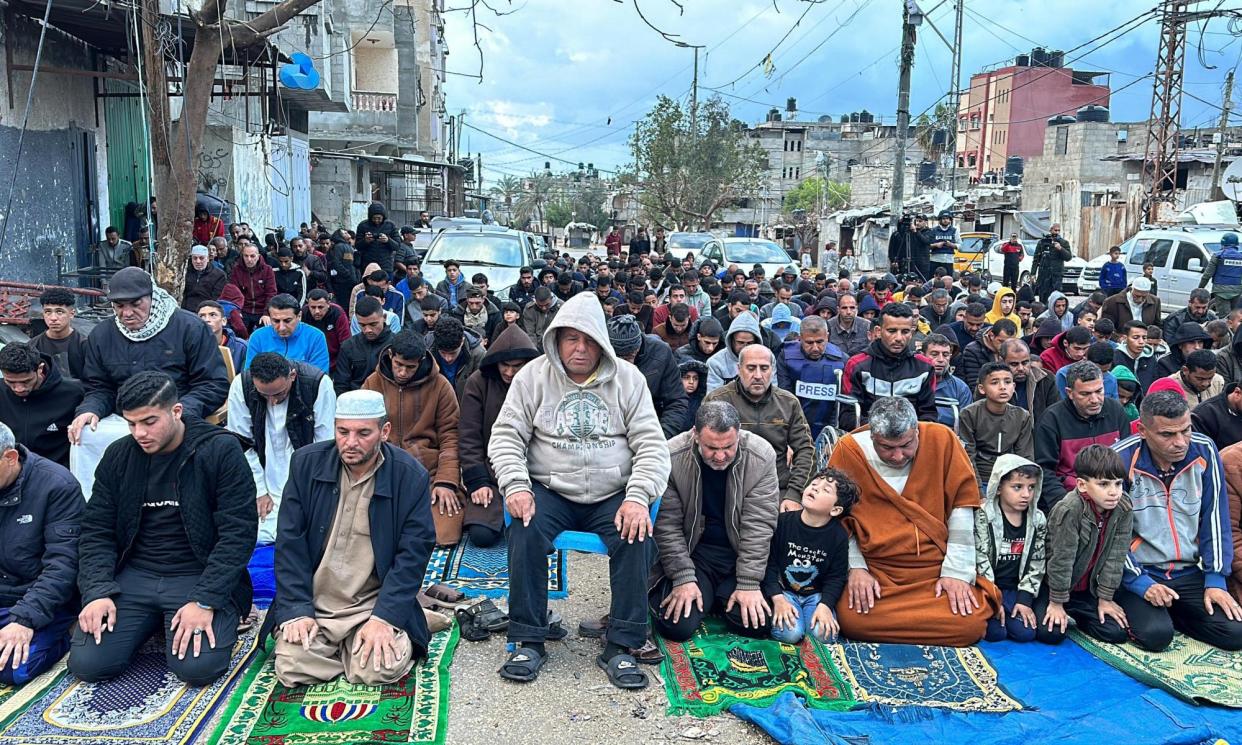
[(1179, 253)]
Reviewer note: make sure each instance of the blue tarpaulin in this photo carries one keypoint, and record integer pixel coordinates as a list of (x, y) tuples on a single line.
[(1070, 697)]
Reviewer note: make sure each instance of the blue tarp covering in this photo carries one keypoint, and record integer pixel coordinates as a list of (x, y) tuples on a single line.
[(1071, 697)]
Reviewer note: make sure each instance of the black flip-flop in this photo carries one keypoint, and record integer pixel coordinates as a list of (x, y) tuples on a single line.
[(623, 671), (522, 666), (471, 631)]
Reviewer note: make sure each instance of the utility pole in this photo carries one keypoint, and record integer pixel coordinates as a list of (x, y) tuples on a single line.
[(694, 95), (955, 99), (1220, 143), (911, 18)]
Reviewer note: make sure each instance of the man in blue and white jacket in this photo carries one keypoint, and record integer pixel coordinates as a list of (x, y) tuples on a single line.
[(1182, 547)]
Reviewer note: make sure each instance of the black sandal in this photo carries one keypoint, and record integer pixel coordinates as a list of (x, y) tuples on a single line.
[(522, 666), (471, 631), (489, 616), (623, 671)]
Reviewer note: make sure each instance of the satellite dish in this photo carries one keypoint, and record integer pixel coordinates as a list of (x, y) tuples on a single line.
[(1231, 181)]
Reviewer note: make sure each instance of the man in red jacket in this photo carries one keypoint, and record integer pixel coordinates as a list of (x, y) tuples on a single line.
[(1067, 348), (329, 318), (206, 226), (257, 282)]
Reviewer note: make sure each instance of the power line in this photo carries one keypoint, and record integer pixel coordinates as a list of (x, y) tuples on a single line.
[(777, 45), (523, 147)]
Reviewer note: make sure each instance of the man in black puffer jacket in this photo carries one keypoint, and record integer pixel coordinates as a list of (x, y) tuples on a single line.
[(656, 362), (377, 239), (40, 505), (36, 402), (165, 541)]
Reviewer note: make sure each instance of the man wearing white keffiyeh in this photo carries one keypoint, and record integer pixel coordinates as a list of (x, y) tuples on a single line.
[(149, 332)]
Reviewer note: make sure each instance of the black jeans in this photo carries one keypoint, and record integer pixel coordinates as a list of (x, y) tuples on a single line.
[(1084, 607), (529, 546), (1012, 265), (1151, 626), (715, 573), (146, 601)]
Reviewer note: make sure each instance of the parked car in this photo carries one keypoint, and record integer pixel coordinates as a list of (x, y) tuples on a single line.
[(972, 251), (496, 251), (681, 243), (1179, 253), (745, 252), (994, 270)]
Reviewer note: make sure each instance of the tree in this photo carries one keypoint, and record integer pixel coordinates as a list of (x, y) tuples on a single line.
[(174, 187), (507, 190), (687, 173), (536, 191), (814, 193), (942, 119)]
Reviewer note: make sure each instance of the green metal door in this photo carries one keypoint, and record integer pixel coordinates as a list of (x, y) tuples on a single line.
[(127, 151)]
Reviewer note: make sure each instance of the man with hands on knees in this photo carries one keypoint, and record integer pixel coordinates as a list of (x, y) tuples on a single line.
[(715, 528), (164, 540), (912, 576), (1182, 547), (578, 446), (353, 539), (40, 507)]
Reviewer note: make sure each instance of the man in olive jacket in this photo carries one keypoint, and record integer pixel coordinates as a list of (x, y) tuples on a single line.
[(774, 415), (714, 529)]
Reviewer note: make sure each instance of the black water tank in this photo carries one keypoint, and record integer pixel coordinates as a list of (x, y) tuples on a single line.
[(791, 104), (774, 115), (1022, 60), (845, 118), (940, 138), (1092, 113), (1056, 58), (1013, 164), (1039, 58), (865, 118), (1061, 119), (927, 171), (825, 119), (854, 117)]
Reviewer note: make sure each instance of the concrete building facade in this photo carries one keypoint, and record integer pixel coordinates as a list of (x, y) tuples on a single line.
[(1076, 152), (1006, 110)]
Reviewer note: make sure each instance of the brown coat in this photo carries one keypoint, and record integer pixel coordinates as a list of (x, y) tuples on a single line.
[(1117, 309), (904, 537), (424, 416), (1231, 459), (671, 337), (484, 395)]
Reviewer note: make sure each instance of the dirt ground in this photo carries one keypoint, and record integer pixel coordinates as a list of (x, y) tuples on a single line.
[(572, 702)]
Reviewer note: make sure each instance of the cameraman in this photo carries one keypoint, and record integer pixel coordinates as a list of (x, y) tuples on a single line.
[(908, 248), (944, 242), (1051, 253)]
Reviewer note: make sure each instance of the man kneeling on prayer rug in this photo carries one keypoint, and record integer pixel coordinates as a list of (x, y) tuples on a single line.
[(354, 535), (912, 550)]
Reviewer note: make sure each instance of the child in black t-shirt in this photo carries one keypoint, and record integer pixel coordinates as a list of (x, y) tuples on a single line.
[(809, 562)]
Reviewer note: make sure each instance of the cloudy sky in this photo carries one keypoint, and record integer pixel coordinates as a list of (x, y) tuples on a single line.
[(568, 78)]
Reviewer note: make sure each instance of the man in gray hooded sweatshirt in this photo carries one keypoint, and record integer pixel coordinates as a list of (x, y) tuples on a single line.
[(578, 446), (722, 366)]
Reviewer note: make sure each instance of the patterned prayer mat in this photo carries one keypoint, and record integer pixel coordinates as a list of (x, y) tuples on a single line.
[(717, 669), (14, 699), (904, 675), (1188, 668), (412, 710), (147, 704), (484, 572)]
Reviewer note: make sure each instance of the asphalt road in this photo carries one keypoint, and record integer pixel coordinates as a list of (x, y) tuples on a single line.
[(572, 701)]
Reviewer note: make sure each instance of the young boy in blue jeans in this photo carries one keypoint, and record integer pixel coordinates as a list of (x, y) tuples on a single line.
[(809, 562), (1010, 537)]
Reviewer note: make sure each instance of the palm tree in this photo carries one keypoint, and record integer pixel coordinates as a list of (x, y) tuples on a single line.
[(507, 189), (534, 195)]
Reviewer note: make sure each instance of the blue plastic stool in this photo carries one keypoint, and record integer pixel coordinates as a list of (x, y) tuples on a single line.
[(574, 540), (587, 543)]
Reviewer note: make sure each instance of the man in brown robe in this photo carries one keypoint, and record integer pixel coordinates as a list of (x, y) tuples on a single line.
[(912, 567)]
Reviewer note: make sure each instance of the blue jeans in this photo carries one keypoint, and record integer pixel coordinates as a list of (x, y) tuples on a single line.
[(805, 604), (47, 646), (1012, 627)]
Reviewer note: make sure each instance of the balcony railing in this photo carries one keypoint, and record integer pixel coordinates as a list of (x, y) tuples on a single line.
[(364, 101)]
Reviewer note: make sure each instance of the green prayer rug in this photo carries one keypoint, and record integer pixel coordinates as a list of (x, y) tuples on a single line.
[(412, 710), (13, 699), (716, 669), (1189, 669)]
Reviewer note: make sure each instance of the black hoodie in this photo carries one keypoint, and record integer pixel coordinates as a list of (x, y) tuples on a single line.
[(357, 359), (1174, 360), (367, 243), (708, 326), (41, 420)]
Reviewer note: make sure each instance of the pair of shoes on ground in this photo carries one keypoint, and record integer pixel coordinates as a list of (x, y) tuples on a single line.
[(622, 670), (481, 620), (648, 654)]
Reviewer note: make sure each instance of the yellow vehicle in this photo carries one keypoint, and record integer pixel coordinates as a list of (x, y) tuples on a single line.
[(972, 251)]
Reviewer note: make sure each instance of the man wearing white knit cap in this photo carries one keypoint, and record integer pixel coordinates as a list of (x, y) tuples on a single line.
[(352, 543)]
